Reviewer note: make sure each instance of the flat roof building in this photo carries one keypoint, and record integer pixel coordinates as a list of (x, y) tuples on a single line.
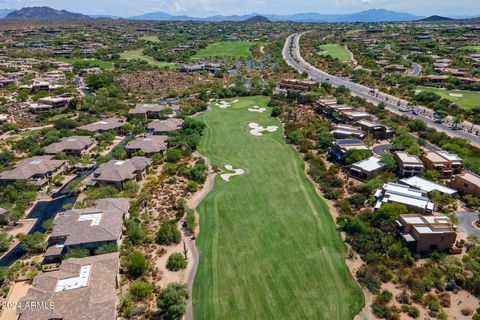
[(467, 183), (378, 130), (296, 84), (427, 233), (341, 146), (445, 163), (83, 288), (365, 169), (55, 102), (408, 165), (427, 185), (414, 199), (344, 131)]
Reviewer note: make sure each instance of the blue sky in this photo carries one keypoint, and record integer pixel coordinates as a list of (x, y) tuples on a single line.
[(199, 8)]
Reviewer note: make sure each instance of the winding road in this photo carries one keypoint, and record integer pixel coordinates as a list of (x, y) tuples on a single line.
[(416, 68), (291, 54), (193, 204)]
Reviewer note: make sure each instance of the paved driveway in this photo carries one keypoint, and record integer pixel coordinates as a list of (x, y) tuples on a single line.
[(465, 222)]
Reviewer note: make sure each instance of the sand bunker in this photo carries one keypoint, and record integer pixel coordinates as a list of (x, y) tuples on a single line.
[(456, 95), (227, 176), (258, 129), (257, 109), (225, 104)]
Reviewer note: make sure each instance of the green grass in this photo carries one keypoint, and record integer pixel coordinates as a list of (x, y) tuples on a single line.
[(153, 39), (470, 48), (350, 32), (336, 51), (138, 54), (92, 62), (268, 245), (470, 99), (226, 49)]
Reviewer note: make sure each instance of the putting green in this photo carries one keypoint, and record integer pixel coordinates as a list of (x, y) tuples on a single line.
[(470, 48), (465, 99), (138, 54), (226, 49), (336, 51), (268, 245), (91, 62)]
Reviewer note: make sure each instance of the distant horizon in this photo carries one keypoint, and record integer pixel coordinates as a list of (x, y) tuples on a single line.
[(207, 8)]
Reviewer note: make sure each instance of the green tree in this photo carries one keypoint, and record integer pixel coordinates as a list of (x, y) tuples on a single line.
[(168, 233), (140, 291), (433, 175), (136, 264), (190, 221), (173, 155), (135, 232), (77, 253), (107, 248), (5, 240), (389, 161), (352, 155), (387, 214), (33, 243), (325, 139), (176, 262), (172, 301), (48, 225)]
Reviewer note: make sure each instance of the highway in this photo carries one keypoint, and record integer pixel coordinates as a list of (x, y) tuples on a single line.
[(466, 130)]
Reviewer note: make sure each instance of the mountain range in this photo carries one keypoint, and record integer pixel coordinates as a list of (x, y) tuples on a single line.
[(436, 19), (373, 15), (44, 13)]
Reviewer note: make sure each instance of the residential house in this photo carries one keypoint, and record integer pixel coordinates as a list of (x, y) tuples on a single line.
[(151, 111), (445, 163), (82, 288), (427, 185), (117, 172), (354, 116), (344, 131), (37, 108), (55, 102), (427, 233), (38, 170), (88, 228), (377, 130), (366, 169), (159, 127), (341, 146), (74, 145), (414, 199), (408, 165), (104, 125), (467, 183), (149, 145), (295, 84)]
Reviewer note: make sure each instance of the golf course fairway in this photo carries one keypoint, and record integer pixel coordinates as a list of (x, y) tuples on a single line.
[(268, 245)]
